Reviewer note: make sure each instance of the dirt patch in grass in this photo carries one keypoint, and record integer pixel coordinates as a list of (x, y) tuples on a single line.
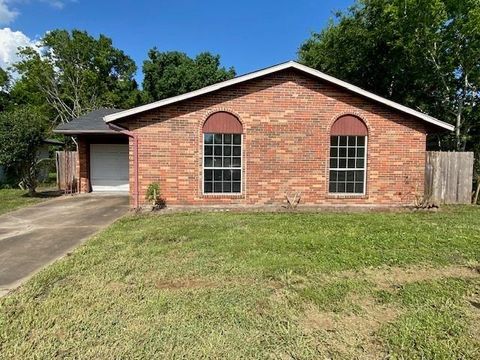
[(392, 277), (350, 335), (353, 331)]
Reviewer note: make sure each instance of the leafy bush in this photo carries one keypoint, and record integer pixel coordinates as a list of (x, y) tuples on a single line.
[(153, 196)]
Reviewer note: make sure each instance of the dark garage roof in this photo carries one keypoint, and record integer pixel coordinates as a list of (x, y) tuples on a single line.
[(91, 122)]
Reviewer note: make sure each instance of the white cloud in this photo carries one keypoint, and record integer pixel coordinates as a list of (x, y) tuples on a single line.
[(10, 41), (59, 4), (7, 15)]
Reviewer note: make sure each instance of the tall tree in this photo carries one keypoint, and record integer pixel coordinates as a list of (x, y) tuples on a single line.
[(423, 53), (173, 73), (73, 73)]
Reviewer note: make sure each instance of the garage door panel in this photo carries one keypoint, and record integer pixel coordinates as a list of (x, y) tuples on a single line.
[(109, 167)]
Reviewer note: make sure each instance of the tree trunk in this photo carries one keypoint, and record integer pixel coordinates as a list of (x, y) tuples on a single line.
[(32, 191), (458, 134)]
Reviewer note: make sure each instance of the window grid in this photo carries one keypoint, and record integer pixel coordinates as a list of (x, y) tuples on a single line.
[(222, 163), (347, 164)]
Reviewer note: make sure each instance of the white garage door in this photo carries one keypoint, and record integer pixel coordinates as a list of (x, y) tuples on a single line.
[(109, 167)]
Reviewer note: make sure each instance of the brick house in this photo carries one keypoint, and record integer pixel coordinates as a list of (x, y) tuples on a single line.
[(287, 129)]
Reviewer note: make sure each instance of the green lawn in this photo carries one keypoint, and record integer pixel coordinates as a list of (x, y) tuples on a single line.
[(258, 285), (12, 199)]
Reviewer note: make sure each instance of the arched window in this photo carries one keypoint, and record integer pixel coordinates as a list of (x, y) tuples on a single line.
[(348, 154), (222, 154)]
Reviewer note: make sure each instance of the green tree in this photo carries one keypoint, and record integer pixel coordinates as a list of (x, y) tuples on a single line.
[(4, 84), (74, 73), (422, 53), (22, 132), (173, 73)]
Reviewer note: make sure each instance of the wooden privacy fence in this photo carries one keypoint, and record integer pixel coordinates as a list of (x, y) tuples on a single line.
[(66, 162), (449, 177)]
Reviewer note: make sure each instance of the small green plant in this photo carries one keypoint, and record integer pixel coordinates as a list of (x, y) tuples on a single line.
[(153, 196)]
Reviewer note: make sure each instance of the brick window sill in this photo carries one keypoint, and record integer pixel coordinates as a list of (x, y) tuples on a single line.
[(222, 196), (344, 196)]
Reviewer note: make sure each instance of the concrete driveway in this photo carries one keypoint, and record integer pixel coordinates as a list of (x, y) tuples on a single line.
[(33, 237)]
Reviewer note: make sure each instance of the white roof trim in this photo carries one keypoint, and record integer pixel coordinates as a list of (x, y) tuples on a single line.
[(273, 69)]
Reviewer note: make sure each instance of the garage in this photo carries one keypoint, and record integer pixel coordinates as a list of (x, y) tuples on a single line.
[(109, 167)]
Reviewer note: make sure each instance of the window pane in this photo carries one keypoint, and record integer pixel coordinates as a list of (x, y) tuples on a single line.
[(359, 188), (236, 162), (333, 152), (332, 187), (342, 163), (350, 187), (217, 175), (237, 139), (217, 162), (208, 162), (227, 138), (350, 176), (208, 138), (237, 151), (351, 163), (359, 176), (341, 187), (351, 141), (333, 175), (208, 150), (236, 175), (218, 151), (208, 175), (217, 139), (360, 140), (341, 176), (236, 187), (227, 150), (227, 162), (351, 152), (360, 163), (227, 187), (360, 152), (333, 163), (217, 187), (342, 152), (208, 188), (342, 141), (227, 175), (334, 140)]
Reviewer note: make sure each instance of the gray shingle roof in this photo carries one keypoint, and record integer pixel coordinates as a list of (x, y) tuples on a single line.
[(88, 123)]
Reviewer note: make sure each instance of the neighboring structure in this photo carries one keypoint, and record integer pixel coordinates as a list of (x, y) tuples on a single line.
[(252, 140), (43, 157)]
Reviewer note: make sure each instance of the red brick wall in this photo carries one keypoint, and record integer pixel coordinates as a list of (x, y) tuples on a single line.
[(286, 119), (83, 167)]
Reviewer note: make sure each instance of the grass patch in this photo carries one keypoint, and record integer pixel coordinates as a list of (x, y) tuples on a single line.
[(233, 285), (337, 296), (437, 323), (12, 199)]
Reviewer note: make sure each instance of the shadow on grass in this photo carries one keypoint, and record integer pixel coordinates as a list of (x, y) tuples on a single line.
[(45, 194)]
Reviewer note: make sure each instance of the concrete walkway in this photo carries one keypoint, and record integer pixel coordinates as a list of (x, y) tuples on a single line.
[(33, 237)]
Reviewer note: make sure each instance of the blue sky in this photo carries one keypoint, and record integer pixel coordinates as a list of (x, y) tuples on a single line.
[(247, 34)]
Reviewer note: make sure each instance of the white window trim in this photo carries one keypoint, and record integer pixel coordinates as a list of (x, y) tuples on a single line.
[(213, 194), (354, 194)]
